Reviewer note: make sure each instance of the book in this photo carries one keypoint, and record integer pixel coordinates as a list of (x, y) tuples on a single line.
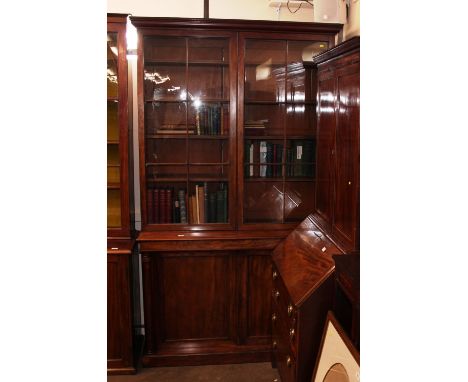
[(269, 160), (197, 122), (161, 210), (251, 159), (200, 203), (219, 206), (279, 159), (169, 205), (183, 210), (212, 208), (225, 203), (150, 205), (192, 210), (263, 157), (176, 211), (156, 206)]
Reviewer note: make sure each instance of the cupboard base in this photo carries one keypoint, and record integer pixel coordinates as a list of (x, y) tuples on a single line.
[(195, 353)]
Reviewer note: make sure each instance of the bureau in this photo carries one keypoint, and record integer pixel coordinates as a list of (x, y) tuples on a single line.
[(302, 293)]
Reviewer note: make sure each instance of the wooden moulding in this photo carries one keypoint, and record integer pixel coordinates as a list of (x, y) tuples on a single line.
[(339, 50), (233, 24), (222, 240)]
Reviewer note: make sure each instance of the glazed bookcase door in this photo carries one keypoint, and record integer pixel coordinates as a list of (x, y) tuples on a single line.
[(118, 209), (187, 130), (277, 125)]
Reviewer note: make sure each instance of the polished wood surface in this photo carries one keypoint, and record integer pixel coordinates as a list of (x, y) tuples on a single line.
[(119, 315), (337, 193), (117, 23), (204, 307), (302, 294), (236, 25), (346, 304)]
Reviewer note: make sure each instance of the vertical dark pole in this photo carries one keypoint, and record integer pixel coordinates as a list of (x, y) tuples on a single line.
[(206, 9)]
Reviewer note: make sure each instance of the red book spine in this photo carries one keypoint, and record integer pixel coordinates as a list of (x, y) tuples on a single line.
[(156, 207), (169, 204), (162, 208), (150, 205)]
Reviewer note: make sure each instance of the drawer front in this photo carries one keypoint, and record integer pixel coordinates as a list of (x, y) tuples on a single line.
[(282, 352), (285, 312)]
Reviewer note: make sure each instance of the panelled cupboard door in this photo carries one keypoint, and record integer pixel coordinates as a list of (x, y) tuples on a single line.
[(347, 153), (119, 327), (325, 145)]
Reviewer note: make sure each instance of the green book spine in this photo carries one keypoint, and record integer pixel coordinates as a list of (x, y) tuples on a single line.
[(219, 206), (212, 208)]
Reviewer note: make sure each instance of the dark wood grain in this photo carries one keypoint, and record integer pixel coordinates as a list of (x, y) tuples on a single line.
[(338, 95), (237, 25), (117, 23), (119, 317), (206, 307)]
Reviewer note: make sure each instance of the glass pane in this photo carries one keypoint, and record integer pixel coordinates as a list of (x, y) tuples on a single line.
[(208, 151), (113, 121), (209, 118), (208, 202), (165, 82), (265, 70), (113, 156), (300, 120), (300, 158), (208, 50), (112, 65), (165, 173), (167, 203), (299, 79), (113, 208), (166, 119), (305, 51), (263, 202), (208, 82), (263, 159), (165, 49), (113, 175), (264, 120), (299, 200), (202, 173), (261, 51), (172, 150)]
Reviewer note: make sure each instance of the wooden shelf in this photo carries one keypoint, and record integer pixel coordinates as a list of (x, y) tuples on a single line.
[(113, 142), (175, 100), (297, 103), (187, 164), (278, 137), (190, 136), (190, 178), (151, 62), (113, 186)]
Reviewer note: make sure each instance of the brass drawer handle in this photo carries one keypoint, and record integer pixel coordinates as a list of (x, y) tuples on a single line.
[(273, 317), (275, 344), (276, 293), (288, 361), (275, 275), (291, 333), (290, 310)]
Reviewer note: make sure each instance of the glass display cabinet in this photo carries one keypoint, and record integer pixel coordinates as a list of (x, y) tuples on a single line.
[(188, 131)]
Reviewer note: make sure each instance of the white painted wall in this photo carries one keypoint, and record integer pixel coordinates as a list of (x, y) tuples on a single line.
[(353, 26), (157, 8)]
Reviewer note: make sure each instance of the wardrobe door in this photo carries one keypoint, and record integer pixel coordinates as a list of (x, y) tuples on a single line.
[(347, 154), (326, 122)]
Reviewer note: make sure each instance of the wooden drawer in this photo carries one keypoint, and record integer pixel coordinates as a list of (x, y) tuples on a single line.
[(284, 355)]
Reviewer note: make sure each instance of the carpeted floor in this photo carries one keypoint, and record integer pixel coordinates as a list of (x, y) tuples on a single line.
[(246, 372)]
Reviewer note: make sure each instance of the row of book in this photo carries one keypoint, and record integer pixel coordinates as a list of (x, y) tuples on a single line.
[(300, 158), (166, 206), (211, 120)]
